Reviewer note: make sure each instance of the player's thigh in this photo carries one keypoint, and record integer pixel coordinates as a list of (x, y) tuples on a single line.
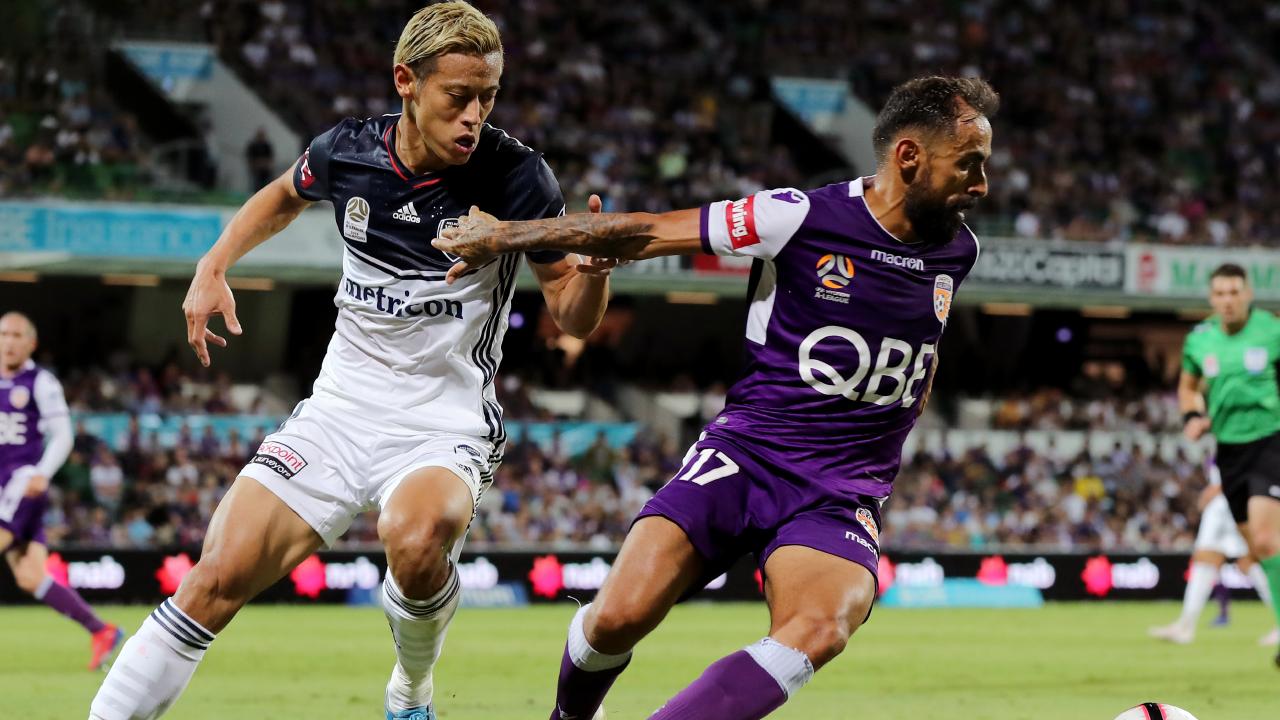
[(6, 540), (816, 600), (429, 504), (655, 568), (253, 540)]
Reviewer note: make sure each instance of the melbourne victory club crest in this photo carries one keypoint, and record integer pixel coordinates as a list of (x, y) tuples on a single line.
[(943, 286), (356, 223), (19, 396), (445, 224)]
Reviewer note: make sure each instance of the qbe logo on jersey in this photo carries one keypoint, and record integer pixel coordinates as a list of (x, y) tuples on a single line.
[(356, 223), (943, 286), (279, 458)]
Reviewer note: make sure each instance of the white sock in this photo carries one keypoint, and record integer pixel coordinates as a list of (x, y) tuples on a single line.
[(1199, 587), (790, 667), (1258, 577), (582, 654), (418, 627), (153, 668)]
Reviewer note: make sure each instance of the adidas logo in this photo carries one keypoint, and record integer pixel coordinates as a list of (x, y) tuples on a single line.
[(407, 214)]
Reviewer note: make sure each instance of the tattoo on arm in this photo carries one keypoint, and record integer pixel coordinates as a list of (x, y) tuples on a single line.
[(601, 235)]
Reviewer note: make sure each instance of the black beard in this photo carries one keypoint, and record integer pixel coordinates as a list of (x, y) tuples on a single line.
[(932, 220)]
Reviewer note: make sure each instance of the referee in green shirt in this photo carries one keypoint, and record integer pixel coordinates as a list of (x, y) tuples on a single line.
[(1229, 362)]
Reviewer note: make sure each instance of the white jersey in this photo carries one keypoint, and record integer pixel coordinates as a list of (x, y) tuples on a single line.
[(420, 354), (424, 353)]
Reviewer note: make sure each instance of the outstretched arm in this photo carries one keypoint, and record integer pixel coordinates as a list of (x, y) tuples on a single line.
[(479, 237), (576, 293), (268, 212)]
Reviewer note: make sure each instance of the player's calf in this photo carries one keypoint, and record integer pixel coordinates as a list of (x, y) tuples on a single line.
[(215, 589), (420, 525)]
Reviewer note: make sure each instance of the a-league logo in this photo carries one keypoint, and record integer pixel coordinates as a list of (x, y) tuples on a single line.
[(355, 225)]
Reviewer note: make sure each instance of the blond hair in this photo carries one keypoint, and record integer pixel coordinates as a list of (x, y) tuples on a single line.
[(444, 28)]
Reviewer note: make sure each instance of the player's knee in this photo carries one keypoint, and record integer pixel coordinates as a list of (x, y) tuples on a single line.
[(217, 580), (417, 552), (28, 580), (613, 627), (432, 536), (1266, 542), (820, 637)]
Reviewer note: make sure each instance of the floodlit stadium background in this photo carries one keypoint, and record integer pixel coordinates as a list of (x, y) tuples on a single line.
[(1134, 152)]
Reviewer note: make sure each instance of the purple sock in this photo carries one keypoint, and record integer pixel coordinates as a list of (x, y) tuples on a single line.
[(733, 688), (580, 692), (69, 603)]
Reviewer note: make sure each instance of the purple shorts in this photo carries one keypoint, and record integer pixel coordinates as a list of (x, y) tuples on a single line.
[(27, 522), (731, 502)]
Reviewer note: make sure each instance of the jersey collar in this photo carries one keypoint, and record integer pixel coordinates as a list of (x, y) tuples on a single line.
[(418, 181)]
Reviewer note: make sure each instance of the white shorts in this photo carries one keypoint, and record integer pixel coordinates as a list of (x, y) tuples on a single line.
[(332, 460), (1218, 532)]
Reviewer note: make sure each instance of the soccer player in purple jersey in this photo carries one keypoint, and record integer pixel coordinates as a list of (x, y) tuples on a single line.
[(35, 439), (850, 293)]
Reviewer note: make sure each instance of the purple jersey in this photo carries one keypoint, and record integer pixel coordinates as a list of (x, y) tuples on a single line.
[(843, 325), (27, 400)]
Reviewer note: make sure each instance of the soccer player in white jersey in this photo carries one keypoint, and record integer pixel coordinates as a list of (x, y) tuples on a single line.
[(403, 416), (1217, 540)]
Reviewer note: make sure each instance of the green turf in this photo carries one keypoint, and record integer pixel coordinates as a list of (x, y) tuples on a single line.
[(1065, 662)]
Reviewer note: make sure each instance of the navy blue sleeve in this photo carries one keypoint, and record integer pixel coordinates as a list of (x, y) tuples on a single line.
[(311, 174), (532, 193)]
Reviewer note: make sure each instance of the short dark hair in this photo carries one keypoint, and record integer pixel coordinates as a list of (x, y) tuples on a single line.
[(931, 104), (1229, 270)]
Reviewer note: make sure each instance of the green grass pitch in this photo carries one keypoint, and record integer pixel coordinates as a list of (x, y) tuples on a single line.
[(1063, 662)]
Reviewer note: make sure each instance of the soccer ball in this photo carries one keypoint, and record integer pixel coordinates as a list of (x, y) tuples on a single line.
[(1155, 711)]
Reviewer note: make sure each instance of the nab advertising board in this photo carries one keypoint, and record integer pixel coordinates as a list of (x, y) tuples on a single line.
[(516, 578)]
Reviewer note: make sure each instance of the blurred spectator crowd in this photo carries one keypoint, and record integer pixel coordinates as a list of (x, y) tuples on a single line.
[(1120, 120), (1120, 500), (60, 131), (137, 490), (1126, 120)]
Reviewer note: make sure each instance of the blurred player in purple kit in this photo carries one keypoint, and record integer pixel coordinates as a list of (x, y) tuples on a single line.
[(850, 292), (35, 439)]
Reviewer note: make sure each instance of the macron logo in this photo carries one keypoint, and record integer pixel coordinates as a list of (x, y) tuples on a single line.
[(898, 260), (407, 214)]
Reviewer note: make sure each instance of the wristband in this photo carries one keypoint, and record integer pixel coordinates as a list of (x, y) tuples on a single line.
[(1191, 415)]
